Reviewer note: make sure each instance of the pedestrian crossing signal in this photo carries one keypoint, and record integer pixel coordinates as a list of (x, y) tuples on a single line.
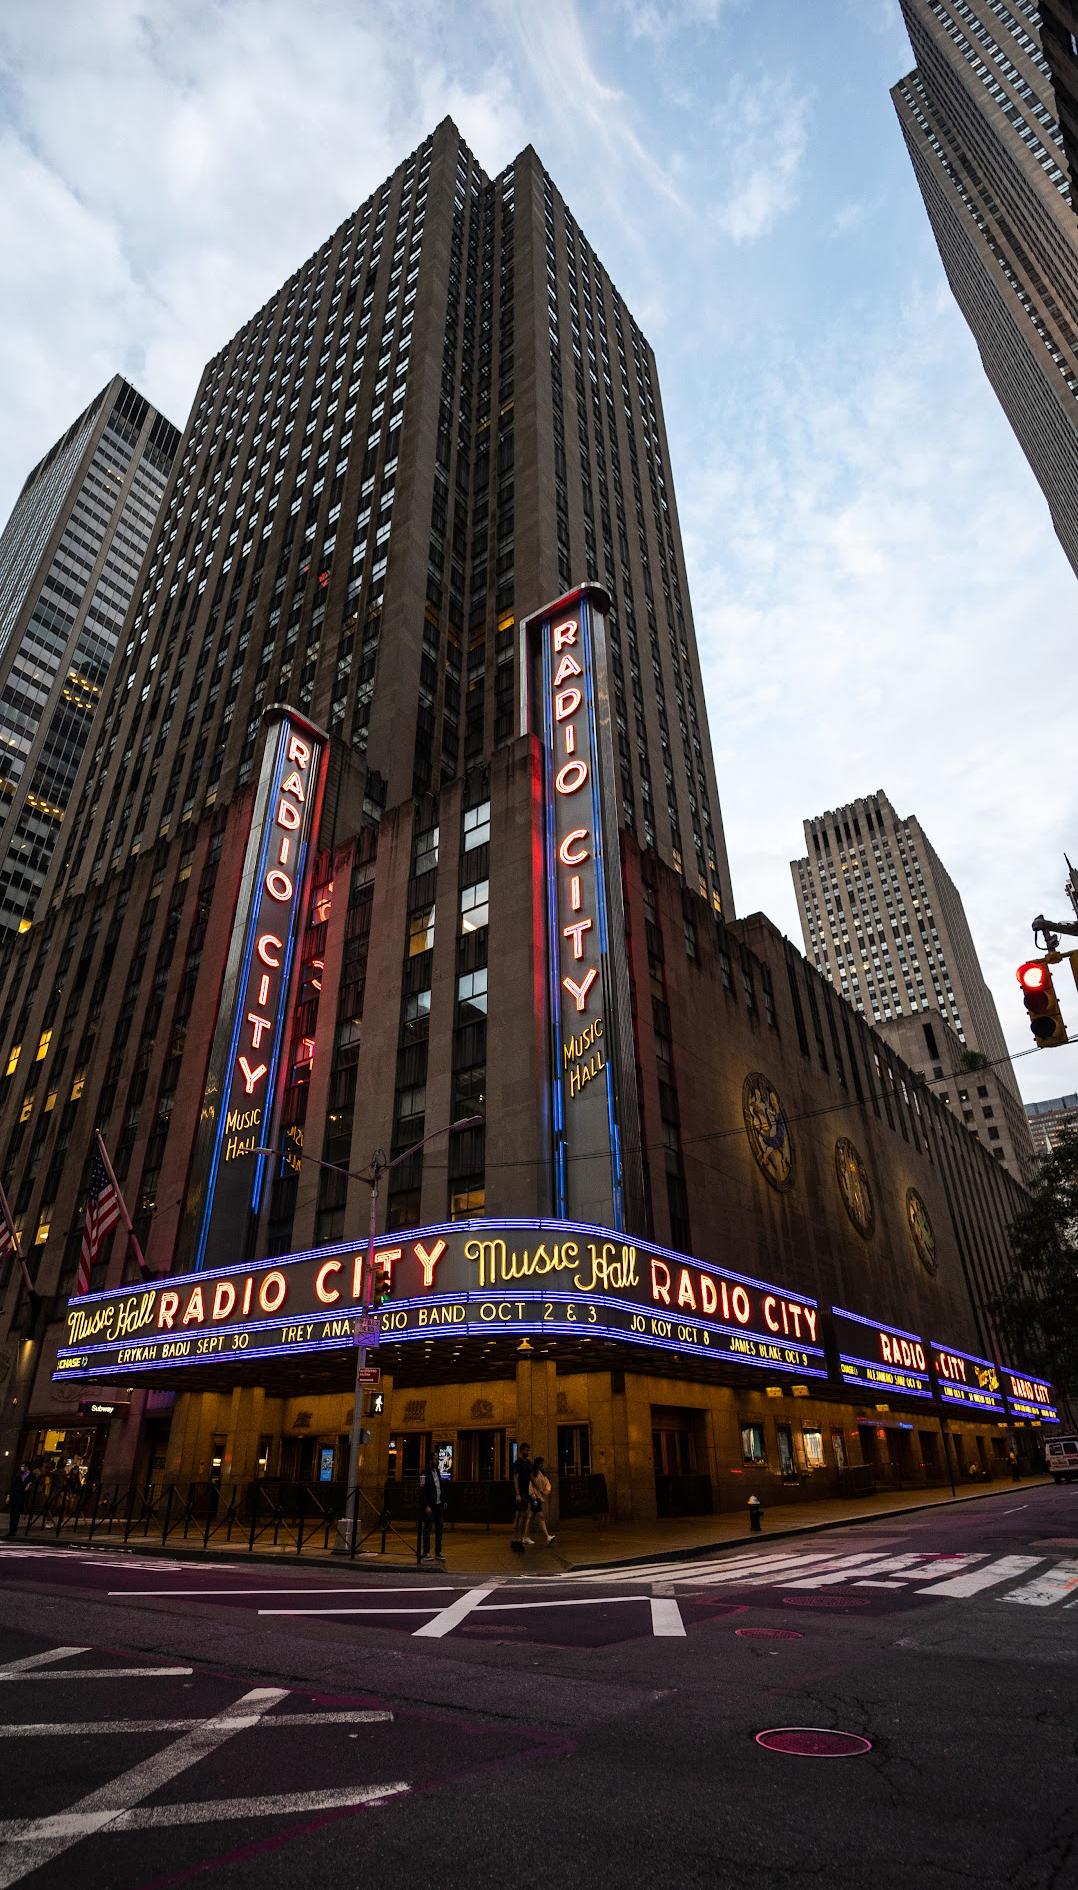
[(1042, 1008)]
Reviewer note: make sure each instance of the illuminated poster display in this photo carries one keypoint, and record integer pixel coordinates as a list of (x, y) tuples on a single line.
[(245, 1057), (873, 1357), (965, 1381), (592, 1078), (1028, 1398), (452, 1281)]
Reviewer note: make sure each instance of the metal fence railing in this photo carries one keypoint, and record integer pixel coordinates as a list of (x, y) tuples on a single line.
[(244, 1517)]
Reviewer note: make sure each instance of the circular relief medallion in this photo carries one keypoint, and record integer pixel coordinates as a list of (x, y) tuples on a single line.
[(768, 1130), (921, 1230), (853, 1185)]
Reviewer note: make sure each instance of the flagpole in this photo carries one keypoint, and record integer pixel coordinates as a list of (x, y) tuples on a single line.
[(16, 1244), (120, 1202)]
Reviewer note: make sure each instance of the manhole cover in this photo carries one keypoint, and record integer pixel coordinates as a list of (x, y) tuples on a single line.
[(813, 1742), (769, 1634)]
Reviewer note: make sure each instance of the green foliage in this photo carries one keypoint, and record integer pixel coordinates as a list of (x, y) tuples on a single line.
[(1038, 1310)]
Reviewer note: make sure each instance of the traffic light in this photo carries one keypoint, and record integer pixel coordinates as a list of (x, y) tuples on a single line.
[(382, 1284), (1039, 998)]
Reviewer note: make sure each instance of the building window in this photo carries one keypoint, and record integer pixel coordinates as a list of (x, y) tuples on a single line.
[(476, 826), (465, 1203), (421, 931), (426, 850), (13, 1059), (753, 1447), (474, 906), (813, 1442), (43, 1046), (472, 992)]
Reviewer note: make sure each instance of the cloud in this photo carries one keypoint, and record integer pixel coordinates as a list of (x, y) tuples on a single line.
[(864, 544), (762, 126), (167, 166)]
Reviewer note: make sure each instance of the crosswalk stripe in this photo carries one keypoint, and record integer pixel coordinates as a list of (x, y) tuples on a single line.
[(978, 1578), (1051, 1585), (850, 1569)]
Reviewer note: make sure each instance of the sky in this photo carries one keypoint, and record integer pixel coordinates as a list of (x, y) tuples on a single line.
[(879, 598)]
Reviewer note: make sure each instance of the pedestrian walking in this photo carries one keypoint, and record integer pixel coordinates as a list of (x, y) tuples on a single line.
[(18, 1496), (522, 1479), (1012, 1459), (537, 1501), (432, 1499)]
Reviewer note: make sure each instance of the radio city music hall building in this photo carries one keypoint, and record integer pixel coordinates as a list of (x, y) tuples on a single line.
[(370, 841)]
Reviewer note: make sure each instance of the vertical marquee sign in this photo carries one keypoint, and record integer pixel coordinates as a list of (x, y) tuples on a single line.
[(592, 1075), (242, 1080)]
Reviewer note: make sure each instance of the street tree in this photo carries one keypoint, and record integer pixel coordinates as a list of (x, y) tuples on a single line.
[(1038, 1308)]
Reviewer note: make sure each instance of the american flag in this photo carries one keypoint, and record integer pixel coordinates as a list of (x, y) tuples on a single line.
[(102, 1214)]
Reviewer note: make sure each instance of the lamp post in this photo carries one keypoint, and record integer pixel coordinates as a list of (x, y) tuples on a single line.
[(380, 1165)]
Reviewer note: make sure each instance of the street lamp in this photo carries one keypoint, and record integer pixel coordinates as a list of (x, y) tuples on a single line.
[(380, 1165)]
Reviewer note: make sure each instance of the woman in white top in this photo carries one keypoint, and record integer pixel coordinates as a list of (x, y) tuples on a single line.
[(540, 1490)]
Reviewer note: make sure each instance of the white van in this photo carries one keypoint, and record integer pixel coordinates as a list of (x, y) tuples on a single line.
[(1061, 1458)]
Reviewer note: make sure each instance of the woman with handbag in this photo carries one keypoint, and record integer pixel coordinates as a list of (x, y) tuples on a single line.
[(540, 1490)]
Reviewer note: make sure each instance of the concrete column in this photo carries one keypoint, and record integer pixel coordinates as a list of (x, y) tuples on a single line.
[(246, 1424), (537, 1421)]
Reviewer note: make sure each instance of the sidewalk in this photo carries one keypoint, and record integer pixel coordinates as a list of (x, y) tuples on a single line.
[(471, 1550)]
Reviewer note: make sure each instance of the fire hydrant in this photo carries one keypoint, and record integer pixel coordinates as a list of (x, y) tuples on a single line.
[(756, 1515)]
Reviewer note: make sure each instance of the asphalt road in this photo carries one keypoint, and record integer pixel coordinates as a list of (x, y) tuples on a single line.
[(164, 1721)]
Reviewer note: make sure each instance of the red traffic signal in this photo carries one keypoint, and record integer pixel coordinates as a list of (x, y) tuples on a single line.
[(1042, 1009)]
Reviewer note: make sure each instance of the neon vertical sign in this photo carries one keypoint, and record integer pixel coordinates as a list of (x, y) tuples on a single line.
[(243, 1078), (587, 1004)]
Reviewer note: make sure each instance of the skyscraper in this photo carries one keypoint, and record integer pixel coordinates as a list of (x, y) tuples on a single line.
[(400, 833), (70, 556), (981, 121), (1050, 1122), (883, 921)]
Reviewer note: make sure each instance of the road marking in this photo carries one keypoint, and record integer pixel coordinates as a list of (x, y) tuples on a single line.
[(978, 1578), (666, 1616), (71, 1826), (578, 1601), (98, 1673), (94, 1728), (851, 1568), (401, 1588), (450, 1617), (25, 1845), (40, 1660), (1051, 1585), (331, 1610), (1014, 1512)]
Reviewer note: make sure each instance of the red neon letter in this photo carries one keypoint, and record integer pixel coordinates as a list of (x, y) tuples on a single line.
[(327, 1294), (565, 633), (567, 667), (272, 1291), (566, 850), (194, 1309), (575, 931), (428, 1261), (566, 703), (167, 1307), (571, 776), (278, 885), (251, 1077), (660, 1281), (298, 751), (288, 815), (259, 1027), (579, 992), (770, 1321), (224, 1298), (265, 951)]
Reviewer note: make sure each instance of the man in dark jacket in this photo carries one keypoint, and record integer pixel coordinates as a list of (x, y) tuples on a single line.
[(18, 1495), (522, 1480), (433, 1509)]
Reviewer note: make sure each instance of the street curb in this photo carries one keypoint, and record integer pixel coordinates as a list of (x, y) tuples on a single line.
[(375, 1566), (807, 1529)]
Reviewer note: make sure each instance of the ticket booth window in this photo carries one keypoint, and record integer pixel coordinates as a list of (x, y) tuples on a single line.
[(753, 1446), (813, 1442)]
